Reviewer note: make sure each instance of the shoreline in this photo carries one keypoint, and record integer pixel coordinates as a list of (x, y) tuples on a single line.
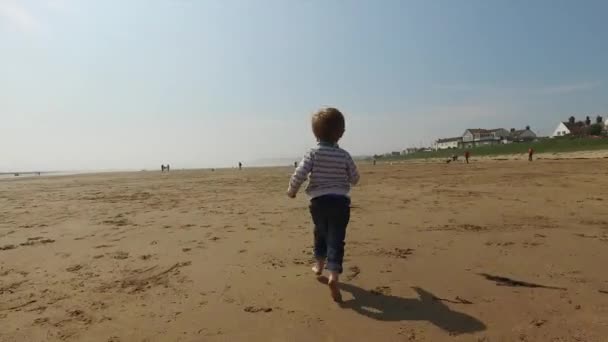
[(551, 156)]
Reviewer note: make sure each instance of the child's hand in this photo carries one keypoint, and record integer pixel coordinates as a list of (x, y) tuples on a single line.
[(291, 195)]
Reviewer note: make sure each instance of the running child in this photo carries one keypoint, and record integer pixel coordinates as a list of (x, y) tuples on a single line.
[(331, 172)]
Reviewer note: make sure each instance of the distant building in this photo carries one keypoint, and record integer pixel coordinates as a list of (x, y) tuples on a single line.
[(447, 143), (602, 121), (395, 154), (561, 130), (522, 135), (409, 150), (570, 127), (480, 137)]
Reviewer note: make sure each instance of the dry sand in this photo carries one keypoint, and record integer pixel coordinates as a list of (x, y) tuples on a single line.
[(492, 251)]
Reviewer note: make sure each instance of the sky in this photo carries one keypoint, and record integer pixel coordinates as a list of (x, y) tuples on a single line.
[(113, 84)]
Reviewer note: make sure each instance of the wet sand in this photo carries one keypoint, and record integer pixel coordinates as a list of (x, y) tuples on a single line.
[(492, 251)]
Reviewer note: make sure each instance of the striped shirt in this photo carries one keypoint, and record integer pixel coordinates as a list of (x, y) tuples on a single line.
[(330, 170)]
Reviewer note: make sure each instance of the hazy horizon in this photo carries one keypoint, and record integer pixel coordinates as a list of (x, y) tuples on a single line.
[(92, 85)]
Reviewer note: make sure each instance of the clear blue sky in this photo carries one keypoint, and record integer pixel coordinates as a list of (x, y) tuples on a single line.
[(87, 84)]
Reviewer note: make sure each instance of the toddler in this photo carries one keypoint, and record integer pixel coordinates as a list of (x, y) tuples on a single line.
[(331, 172)]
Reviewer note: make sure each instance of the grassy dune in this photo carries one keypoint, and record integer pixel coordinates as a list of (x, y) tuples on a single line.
[(547, 145)]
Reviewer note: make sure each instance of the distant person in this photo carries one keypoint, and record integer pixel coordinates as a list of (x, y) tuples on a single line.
[(295, 165), (374, 162), (467, 155), (530, 154), (168, 168), (240, 166), (162, 168), (454, 157), (331, 172)]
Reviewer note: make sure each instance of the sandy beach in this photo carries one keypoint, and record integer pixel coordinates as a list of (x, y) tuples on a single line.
[(491, 251)]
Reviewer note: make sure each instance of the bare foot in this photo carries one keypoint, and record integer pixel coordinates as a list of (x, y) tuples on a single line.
[(334, 288), (318, 268)]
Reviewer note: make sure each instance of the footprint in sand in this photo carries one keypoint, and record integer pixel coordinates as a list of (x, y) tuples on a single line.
[(74, 268), (353, 273), (253, 309), (80, 316), (120, 255), (538, 322), (41, 321), (99, 306), (298, 262), (36, 241), (412, 335), (104, 246), (399, 253), (381, 291), (274, 262)]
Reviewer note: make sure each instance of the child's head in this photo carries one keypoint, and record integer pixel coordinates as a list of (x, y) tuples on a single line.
[(328, 125)]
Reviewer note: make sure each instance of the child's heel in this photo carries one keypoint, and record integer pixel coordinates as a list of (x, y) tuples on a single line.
[(318, 268)]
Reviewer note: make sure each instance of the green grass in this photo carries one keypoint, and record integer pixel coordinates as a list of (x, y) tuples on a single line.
[(565, 144)]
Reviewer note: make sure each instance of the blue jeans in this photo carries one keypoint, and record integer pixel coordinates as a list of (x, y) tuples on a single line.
[(330, 215)]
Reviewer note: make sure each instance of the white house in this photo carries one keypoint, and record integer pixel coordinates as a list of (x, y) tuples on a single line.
[(561, 130), (478, 137), (444, 144)]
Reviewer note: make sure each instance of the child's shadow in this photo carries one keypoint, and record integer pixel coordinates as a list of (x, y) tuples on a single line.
[(425, 308)]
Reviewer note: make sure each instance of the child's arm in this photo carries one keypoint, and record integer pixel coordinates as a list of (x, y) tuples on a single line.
[(300, 175), (353, 173)]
